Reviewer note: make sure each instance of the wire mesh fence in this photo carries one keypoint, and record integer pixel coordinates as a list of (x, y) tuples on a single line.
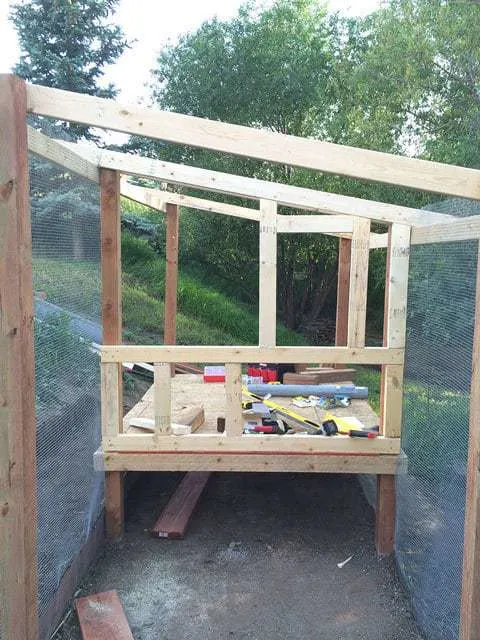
[(66, 278), (431, 496)]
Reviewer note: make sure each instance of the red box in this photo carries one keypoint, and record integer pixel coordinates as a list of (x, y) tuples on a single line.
[(214, 374)]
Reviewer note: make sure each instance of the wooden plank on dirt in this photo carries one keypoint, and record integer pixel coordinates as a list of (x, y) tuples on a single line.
[(255, 143), (175, 518), (101, 617)]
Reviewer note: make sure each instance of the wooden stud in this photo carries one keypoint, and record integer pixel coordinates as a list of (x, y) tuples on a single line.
[(385, 514), (162, 398), (18, 494), (282, 194), (207, 354), (343, 293), (255, 143), (470, 611), (267, 320), (110, 400), (233, 406), (357, 300), (391, 398), (395, 327), (112, 321), (171, 277)]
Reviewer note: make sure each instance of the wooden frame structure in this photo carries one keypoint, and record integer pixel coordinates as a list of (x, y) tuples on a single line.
[(346, 217)]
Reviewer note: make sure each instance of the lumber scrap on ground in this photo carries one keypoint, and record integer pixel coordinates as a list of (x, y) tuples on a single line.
[(101, 617), (174, 519)]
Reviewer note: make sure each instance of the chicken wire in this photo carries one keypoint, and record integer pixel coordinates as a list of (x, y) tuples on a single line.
[(431, 495), (66, 280)]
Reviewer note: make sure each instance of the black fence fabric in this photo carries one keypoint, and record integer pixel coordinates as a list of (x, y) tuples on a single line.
[(431, 495), (66, 275)]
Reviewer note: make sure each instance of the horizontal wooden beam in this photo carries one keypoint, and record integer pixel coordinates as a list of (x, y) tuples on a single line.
[(283, 194), (378, 240), (56, 152), (307, 355), (219, 461), (255, 143), (158, 198), (210, 442), (314, 224), (460, 229)]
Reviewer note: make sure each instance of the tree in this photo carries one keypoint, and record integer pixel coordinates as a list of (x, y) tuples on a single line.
[(268, 68), (65, 44), (418, 68)]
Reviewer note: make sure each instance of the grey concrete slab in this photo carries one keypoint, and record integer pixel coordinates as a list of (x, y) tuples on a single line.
[(259, 562)]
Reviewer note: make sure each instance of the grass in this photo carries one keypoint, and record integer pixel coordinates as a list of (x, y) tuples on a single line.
[(205, 316), (369, 377)]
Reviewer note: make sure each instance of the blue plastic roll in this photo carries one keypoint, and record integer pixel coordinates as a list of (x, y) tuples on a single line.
[(349, 390)]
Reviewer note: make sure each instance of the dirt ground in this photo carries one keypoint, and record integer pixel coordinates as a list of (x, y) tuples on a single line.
[(259, 562)]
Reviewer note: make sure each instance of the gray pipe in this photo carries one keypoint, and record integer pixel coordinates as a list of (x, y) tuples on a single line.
[(349, 390)]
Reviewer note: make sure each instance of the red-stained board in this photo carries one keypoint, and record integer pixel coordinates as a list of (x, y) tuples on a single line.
[(174, 519), (101, 617)]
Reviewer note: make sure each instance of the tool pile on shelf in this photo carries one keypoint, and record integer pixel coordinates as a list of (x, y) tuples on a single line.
[(265, 416)]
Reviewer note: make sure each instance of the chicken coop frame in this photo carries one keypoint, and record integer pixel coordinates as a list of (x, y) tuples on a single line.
[(347, 217)]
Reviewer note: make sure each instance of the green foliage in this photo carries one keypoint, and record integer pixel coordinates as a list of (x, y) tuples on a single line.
[(67, 44), (412, 70), (369, 377), (238, 322), (435, 435), (75, 285), (403, 80)]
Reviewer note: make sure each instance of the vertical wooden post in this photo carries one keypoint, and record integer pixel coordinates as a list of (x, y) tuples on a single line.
[(391, 399), (395, 323), (171, 278), (110, 398), (112, 325), (357, 299), (343, 292), (470, 611), (18, 494), (162, 398), (233, 405), (267, 320)]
